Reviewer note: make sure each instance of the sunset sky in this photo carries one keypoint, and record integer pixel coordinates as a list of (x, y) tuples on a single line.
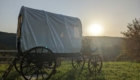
[(111, 15)]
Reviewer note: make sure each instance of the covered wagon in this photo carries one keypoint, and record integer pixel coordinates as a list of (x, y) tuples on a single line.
[(42, 37)]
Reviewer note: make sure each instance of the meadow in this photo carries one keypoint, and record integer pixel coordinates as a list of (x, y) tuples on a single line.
[(110, 71)]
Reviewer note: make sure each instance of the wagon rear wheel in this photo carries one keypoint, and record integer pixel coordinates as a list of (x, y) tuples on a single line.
[(38, 63), (78, 62), (95, 64), (17, 65)]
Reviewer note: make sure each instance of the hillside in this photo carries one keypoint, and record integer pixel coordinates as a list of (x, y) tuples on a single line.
[(101, 41), (7, 40), (110, 47), (105, 41)]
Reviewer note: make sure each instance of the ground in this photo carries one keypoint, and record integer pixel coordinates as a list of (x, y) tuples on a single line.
[(110, 71)]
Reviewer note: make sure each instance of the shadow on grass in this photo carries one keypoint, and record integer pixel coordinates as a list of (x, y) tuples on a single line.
[(73, 74), (98, 76), (88, 76), (13, 75), (68, 75)]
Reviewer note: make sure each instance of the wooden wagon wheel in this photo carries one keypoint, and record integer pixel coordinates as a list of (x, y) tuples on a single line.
[(95, 64), (38, 63), (78, 62), (18, 61), (17, 65)]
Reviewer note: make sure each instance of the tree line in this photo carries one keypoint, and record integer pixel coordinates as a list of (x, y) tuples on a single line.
[(131, 41)]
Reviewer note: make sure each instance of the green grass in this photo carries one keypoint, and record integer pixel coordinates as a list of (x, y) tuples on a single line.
[(13, 75), (110, 71)]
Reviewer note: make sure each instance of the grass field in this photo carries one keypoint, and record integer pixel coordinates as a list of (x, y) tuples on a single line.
[(110, 71)]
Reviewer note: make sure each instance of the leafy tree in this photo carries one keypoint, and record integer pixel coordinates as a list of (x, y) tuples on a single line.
[(131, 46)]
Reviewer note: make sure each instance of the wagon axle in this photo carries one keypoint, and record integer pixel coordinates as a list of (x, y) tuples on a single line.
[(95, 63), (79, 61)]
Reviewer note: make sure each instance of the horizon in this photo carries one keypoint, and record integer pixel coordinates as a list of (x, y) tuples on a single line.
[(82, 35)]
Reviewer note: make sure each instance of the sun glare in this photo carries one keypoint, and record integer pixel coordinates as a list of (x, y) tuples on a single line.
[(95, 29)]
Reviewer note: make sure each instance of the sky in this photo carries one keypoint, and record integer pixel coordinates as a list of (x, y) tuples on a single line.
[(112, 15)]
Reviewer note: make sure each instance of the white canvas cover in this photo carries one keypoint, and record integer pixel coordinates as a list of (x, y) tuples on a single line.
[(60, 33)]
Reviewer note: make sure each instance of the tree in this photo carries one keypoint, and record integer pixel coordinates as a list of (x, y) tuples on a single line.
[(131, 46)]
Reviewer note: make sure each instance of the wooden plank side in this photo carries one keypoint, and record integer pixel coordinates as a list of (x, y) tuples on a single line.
[(1, 57), (10, 51), (6, 56), (5, 62)]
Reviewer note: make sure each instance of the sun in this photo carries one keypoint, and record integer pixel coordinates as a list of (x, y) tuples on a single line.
[(95, 29)]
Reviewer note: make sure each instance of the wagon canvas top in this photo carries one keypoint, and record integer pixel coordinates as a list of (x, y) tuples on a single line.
[(60, 33)]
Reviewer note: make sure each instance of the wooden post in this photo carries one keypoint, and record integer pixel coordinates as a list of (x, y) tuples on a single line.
[(58, 61)]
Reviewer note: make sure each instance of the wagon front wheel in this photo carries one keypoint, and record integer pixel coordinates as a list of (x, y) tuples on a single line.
[(38, 63), (78, 62), (95, 64)]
